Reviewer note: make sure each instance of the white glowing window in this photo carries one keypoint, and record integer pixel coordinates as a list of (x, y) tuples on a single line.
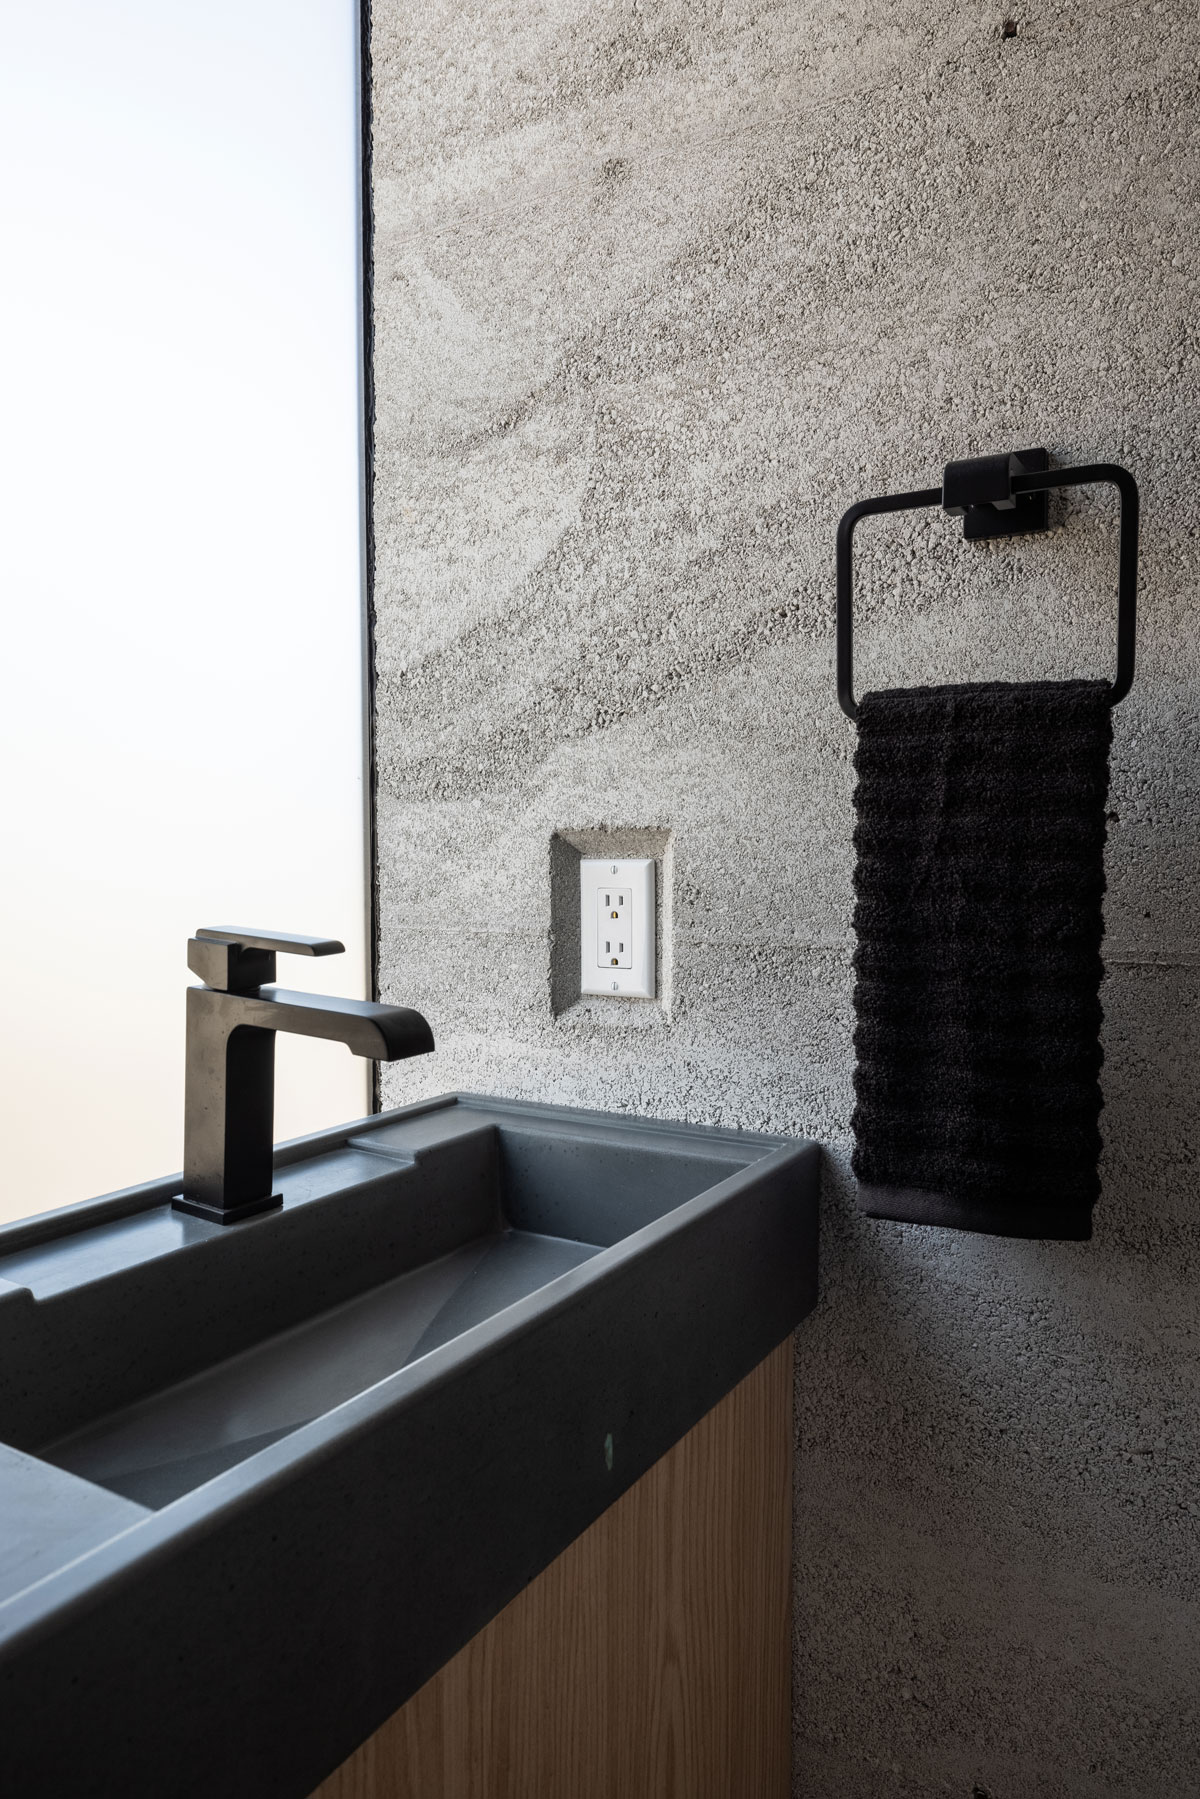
[(181, 685)]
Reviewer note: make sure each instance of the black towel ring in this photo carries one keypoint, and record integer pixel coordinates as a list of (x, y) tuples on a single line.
[(998, 496)]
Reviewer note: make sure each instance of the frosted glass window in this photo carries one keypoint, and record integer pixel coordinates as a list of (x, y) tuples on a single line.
[(181, 696)]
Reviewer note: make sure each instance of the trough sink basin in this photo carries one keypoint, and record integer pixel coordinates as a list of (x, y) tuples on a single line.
[(277, 1473)]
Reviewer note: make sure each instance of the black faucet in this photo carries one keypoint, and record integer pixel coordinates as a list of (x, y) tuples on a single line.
[(229, 1100)]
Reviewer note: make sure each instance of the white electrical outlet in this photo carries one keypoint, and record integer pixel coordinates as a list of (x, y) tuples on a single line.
[(616, 927)]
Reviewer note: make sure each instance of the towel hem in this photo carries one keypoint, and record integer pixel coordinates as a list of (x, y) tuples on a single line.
[(913, 1205)]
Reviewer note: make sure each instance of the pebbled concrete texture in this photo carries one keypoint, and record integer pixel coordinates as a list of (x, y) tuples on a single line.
[(659, 291)]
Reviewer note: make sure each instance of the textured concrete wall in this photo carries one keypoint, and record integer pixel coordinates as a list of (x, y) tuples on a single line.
[(660, 290)]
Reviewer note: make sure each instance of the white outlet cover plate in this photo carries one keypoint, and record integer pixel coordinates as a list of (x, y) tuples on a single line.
[(616, 927)]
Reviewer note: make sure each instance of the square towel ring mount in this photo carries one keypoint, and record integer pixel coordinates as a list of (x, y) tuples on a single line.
[(998, 496)]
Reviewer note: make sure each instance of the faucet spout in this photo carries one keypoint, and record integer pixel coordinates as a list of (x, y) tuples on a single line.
[(383, 1033), (229, 1098)]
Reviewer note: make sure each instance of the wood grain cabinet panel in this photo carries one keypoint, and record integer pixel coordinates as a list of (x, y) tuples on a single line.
[(652, 1660)]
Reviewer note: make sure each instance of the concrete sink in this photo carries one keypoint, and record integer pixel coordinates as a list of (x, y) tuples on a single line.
[(275, 1474)]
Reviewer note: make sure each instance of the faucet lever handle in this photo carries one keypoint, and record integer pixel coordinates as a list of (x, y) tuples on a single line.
[(272, 940), (240, 960)]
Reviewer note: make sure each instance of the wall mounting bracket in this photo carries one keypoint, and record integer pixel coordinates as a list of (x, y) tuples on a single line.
[(980, 492)]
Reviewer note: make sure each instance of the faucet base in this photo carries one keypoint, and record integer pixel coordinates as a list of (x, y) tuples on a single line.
[(250, 1208)]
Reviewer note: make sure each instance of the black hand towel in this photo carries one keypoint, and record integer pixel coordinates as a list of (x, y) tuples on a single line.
[(980, 875)]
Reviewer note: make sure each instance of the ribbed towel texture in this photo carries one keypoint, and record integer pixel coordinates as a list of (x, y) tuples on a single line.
[(980, 875)]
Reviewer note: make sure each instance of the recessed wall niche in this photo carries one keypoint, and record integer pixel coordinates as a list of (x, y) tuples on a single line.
[(567, 848)]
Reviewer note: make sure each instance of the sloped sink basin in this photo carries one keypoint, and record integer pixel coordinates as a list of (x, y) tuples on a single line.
[(314, 1452)]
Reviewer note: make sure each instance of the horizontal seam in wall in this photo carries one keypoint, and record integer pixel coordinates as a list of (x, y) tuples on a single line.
[(1119, 958), (767, 947), (1184, 959)]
